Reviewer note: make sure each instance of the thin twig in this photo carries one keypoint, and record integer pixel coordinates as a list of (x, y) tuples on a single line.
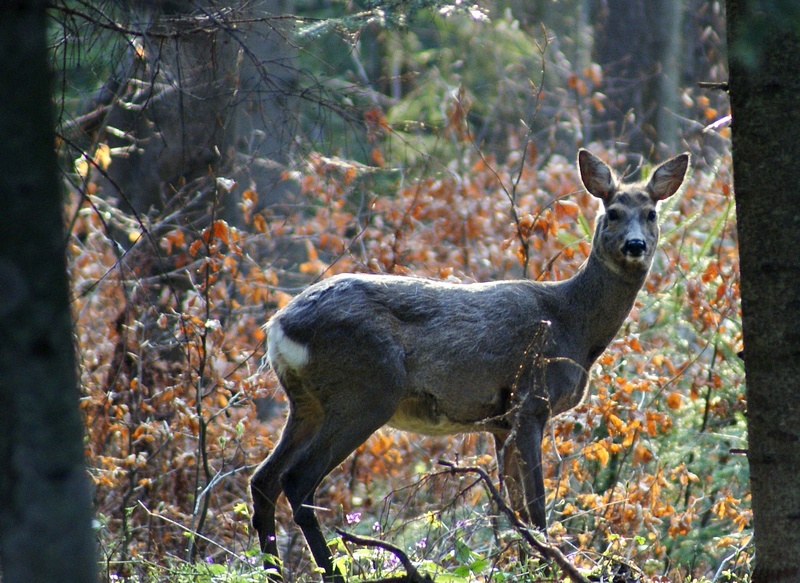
[(546, 550), (186, 530)]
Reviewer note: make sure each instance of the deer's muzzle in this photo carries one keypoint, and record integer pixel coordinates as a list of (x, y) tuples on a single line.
[(634, 247)]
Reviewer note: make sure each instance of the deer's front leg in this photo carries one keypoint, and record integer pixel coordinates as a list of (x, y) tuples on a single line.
[(527, 455), (565, 383)]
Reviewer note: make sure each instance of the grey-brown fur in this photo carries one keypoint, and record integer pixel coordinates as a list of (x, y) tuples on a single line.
[(356, 352)]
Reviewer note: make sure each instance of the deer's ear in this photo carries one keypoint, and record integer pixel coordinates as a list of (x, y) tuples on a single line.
[(668, 177), (598, 179)]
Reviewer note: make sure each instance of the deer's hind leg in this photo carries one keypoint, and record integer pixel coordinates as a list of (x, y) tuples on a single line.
[(341, 432), (353, 405), (265, 484)]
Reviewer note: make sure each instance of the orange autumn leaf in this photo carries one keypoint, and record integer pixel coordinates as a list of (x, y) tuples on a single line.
[(377, 157), (597, 452), (221, 231), (566, 208), (616, 422), (710, 272), (641, 454), (674, 400), (250, 196), (195, 247), (260, 223)]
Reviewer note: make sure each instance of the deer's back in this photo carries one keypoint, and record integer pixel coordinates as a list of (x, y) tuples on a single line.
[(450, 355)]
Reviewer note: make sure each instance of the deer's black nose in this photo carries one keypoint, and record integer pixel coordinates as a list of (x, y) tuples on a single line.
[(634, 247)]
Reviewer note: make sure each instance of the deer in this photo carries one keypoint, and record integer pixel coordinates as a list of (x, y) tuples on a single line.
[(356, 352)]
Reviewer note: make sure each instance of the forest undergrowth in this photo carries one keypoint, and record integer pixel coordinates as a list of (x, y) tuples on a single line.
[(645, 480)]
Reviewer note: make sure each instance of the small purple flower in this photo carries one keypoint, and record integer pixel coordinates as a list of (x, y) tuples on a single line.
[(376, 527), (353, 518), (422, 543)]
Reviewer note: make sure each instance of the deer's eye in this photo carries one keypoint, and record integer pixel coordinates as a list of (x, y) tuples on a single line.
[(651, 216), (613, 215)]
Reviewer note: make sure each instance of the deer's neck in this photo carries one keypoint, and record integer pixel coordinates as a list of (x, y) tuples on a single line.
[(604, 297)]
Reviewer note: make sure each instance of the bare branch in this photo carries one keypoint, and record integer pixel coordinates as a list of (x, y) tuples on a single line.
[(412, 575), (546, 550)]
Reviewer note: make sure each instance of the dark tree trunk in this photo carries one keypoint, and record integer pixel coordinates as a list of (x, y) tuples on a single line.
[(45, 511), (193, 98), (637, 44), (764, 44), (170, 104), (266, 120)]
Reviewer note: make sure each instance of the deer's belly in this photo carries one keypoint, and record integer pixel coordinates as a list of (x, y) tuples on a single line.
[(424, 414)]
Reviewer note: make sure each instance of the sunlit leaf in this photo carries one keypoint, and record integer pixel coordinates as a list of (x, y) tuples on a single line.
[(674, 400), (102, 156)]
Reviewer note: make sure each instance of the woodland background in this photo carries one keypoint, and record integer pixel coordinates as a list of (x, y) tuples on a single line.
[(219, 158)]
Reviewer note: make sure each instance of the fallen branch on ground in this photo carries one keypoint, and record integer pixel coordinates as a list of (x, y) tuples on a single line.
[(412, 575), (548, 551)]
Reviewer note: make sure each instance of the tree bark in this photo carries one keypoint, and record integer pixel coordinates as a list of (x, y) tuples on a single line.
[(206, 89), (764, 88), (45, 510), (170, 104), (266, 120), (637, 45)]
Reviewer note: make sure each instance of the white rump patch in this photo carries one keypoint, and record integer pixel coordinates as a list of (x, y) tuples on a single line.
[(282, 351)]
